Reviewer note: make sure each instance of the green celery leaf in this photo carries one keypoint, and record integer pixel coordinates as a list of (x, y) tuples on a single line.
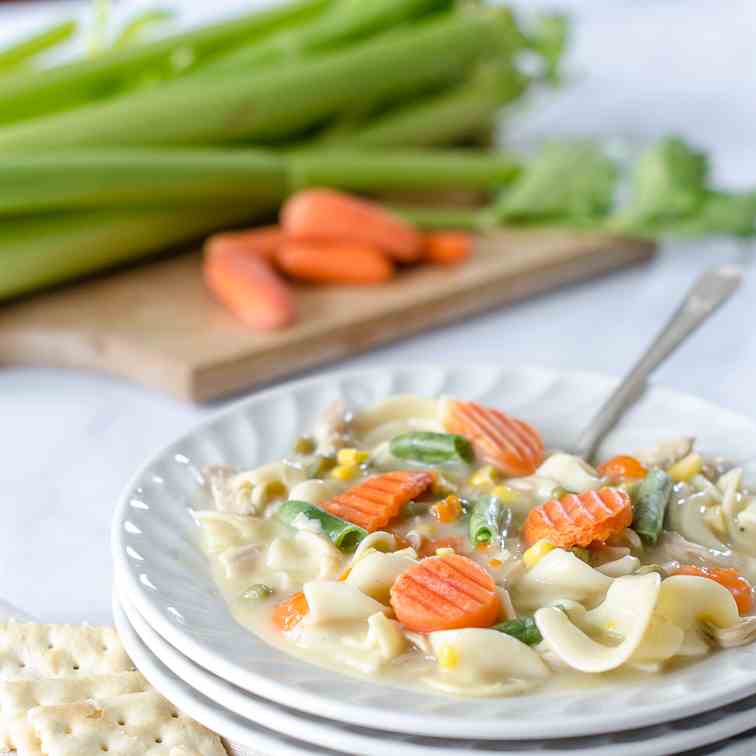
[(567, 182)]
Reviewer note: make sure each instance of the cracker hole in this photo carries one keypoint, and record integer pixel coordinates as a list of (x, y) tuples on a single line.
[(75, 668), (67, 730), (175, 715), (158, 740), (122, 722), (104, 748)]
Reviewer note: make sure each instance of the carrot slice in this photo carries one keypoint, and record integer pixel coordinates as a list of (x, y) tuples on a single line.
[(328, 215), (249, 287), (579, 520), (445, 593), (376, 501), (511, 445), (622, 467), (736, 584), (447, 247), (334, 262), (291, 612), (264, 242)]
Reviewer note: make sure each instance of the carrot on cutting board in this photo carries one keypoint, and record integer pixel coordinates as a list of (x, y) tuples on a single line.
[(579, 520), (447, 247), (249, 287), (511, 445), (291, 612), (374, 502), (334, 262), (263, 241), (445, 593), (328, 215), (736, 584)]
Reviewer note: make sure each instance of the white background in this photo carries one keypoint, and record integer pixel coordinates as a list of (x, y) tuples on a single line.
[(69, 441)]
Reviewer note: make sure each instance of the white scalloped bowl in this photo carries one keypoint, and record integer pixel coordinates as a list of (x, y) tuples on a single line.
[(160, 563)]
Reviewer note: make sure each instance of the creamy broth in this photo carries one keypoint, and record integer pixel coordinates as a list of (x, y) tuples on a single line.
[(544, 612)]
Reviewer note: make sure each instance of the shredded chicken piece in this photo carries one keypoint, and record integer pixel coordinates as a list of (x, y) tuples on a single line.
[(674, 547), (666, 453), (332, 431), (740, 634), (238, 558)]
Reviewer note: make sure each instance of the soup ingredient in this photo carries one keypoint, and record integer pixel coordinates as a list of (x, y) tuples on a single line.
[(430, 547), (257, 592), (263, 241), (323, 215), (445, 593), (578, 520), (740, 634), (687, 468), (538, 551), (447, 247), (622, 467), (489, 520), (373, 503), (448, 509), (334, 262), (650, 501), (432, 448), (343, 534), (249, 287), (288, 614), (350, 456), (736, 584), (522, 628), (510, 445)]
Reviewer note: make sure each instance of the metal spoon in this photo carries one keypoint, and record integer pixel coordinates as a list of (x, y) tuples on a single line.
[(712, 289)]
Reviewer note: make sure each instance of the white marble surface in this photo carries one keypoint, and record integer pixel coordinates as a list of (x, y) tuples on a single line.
[(69, 441)]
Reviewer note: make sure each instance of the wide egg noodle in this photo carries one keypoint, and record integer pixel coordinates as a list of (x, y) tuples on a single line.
[(559, 575), (337, 601), (375, 572), (625, 613), (390, 418)]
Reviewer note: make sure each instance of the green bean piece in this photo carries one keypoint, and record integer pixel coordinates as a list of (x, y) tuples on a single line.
[(522, 628), (257, 592), (650, 501), (344, 535), (489, 520), (432, 448)]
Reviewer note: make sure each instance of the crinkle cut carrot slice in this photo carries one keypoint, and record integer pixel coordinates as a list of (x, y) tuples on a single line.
[(578, 520), (445, 593), (377, 500), (509, 444)]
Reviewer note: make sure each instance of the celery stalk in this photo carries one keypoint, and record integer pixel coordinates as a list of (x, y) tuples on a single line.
[(21, 52), (346, 21), (278, 101), (444, 118), (29, 95), (448, 218), (52, 249), (155, 178)]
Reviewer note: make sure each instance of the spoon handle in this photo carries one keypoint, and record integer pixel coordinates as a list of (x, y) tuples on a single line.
[(708, 293)]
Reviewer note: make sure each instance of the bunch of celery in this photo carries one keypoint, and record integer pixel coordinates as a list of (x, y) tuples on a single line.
[(140, 148)]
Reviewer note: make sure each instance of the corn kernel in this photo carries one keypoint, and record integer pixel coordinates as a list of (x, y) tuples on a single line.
[(344, 472), (537, 552), (352, 457), (445, 551), (448, 657), (486, 477), (274, 488), (505, 494), (686, 468)]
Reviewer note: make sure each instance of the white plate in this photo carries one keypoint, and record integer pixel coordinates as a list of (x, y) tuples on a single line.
[(657, 740), (161, 564)]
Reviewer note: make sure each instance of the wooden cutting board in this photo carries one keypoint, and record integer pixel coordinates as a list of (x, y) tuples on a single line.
[(157, 324)]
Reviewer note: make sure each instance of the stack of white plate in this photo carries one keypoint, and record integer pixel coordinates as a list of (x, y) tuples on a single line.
[(179, 632)]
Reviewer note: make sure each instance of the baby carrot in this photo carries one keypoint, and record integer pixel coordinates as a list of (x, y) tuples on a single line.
[(263, 241), (334, 262), (249, 287), (328, 215), (291, 612), (447, 247), (445, 593), (622, 467), (511, 445), (376, 501), (736, 584), (579, 520)]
